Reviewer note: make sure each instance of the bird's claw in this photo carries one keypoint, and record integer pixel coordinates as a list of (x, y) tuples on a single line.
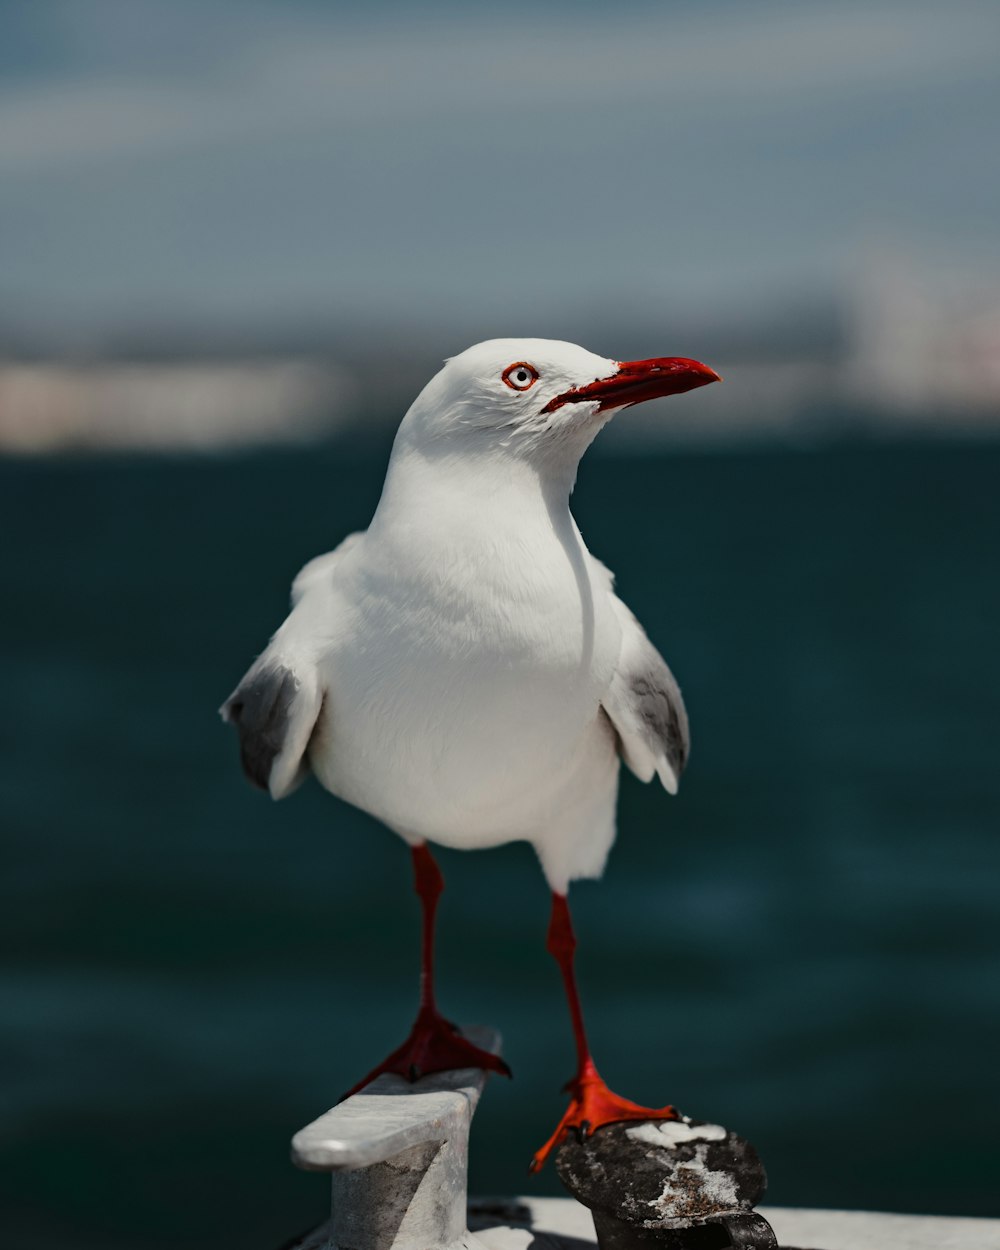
[(434, 1045), (593, 1105)]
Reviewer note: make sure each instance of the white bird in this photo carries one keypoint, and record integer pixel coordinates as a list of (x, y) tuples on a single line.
[(464, 670)]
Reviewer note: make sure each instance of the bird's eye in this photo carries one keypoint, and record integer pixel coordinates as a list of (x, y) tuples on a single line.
[(520, 376)]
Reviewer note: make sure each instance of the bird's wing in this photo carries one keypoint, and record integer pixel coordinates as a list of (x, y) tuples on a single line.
[(319, 568), (275, 707), (645, 706)]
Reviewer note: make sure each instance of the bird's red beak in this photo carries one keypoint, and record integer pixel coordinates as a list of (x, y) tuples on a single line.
[(638, 380)]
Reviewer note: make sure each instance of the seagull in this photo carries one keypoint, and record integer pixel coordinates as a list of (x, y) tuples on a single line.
[(464, 671)]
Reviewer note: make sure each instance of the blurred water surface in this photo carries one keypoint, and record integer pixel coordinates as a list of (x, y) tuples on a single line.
[(803, 944)]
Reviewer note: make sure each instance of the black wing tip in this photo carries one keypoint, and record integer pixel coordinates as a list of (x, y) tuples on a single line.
[(258, 709), (256, 765)]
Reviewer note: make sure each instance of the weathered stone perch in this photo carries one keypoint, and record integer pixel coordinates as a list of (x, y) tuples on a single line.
[(668, 1185)]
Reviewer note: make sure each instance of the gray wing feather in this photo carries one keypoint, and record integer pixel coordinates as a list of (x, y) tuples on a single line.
[(275, 707), (645, 706), (260, 710)]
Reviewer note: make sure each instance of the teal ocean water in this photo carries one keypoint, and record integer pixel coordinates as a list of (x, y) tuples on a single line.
[(803, 945)]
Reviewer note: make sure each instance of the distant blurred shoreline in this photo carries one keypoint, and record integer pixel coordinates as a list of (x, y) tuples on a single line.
[(901, 354)]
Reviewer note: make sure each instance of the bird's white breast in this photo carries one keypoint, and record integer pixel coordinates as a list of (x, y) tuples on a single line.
[(465, 664)]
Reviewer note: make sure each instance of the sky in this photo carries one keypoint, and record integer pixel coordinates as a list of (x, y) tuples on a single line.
[(240, 162)]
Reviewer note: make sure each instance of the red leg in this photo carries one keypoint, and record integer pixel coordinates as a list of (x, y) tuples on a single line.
[(592, 1104), (434, 1043)]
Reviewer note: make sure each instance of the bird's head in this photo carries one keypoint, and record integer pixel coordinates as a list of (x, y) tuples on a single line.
[(539, 399)]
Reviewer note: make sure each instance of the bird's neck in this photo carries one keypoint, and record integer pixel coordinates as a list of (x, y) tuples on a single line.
[(505, 493)]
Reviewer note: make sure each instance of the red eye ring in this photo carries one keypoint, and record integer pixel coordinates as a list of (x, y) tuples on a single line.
[(512, 378)]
